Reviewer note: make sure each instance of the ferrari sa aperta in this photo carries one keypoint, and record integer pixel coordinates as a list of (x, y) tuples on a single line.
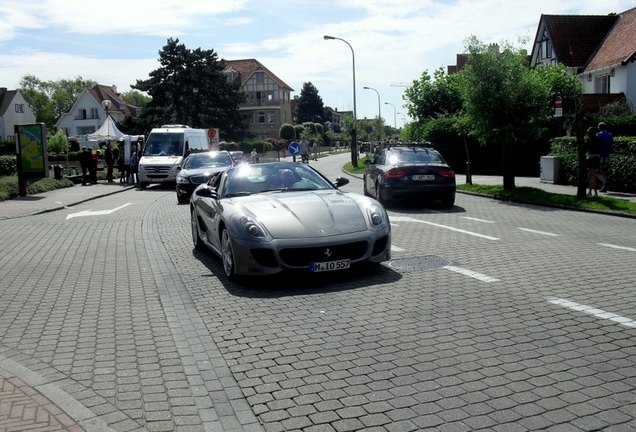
[(264, 218)]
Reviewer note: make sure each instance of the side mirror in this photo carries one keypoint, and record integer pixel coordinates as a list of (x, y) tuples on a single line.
[(207, 192), (341, 181)]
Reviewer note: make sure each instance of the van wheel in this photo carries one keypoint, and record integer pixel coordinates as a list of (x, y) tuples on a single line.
[(143, 186)]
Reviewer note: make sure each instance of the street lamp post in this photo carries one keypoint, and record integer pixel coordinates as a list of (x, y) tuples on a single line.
[(379, 112), (394, 116), (354, 138), (106, 105), (403, 119)]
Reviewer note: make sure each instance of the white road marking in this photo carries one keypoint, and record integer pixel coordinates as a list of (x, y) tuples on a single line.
[(599, 313), (410, 219), (396, 249), (473, 274), (617, 247), (539, 232), (478, 220), (95, 213)]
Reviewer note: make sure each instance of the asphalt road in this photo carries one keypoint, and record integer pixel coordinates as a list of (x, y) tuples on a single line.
[(491, 316)]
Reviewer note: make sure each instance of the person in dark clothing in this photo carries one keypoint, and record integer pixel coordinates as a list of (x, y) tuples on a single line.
[(109, 158), (86, 161), (593, 162), (123, 168)]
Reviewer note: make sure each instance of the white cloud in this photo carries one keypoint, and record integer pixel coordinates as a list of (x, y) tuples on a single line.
[(393, 41)]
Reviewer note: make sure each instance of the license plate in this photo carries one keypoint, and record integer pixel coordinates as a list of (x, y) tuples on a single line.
[(421, 177), (329, 266)]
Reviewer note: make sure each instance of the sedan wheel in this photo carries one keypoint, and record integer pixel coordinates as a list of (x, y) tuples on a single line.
[(227, 255), (196, 239), (378, 196)]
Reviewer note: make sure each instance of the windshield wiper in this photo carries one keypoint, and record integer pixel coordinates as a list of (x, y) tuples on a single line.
[(236, 194)]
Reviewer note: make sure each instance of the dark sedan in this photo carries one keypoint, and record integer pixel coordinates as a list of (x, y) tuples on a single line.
[(197, 169), (410, 172)]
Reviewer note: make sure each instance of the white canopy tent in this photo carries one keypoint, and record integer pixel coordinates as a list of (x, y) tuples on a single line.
[(108, 131)]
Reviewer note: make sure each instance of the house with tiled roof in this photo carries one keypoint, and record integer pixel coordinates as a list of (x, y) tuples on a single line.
[(89, 113), (268, 104), (14, 110), (599, 49)]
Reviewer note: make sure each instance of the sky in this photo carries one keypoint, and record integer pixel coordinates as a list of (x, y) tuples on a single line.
[(393, 41)]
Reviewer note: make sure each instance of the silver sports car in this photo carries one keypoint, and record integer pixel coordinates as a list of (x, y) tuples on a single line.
[(264, 218)]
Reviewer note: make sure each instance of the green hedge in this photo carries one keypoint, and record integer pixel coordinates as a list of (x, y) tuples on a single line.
[(622, 174)]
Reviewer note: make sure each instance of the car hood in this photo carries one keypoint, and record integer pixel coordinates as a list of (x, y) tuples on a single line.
[(201, 171), (304, 214)]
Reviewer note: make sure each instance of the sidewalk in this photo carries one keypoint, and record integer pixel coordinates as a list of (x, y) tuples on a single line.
[(58, 199)]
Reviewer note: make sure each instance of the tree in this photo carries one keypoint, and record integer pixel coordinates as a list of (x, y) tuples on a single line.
[(504, 100), (287, 132), (427, 98), (136, 98), (310, 107), (190, 88), (50, 99), (58, 144)]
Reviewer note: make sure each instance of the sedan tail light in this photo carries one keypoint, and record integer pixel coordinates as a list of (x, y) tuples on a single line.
[(396, 173), (447, 173)]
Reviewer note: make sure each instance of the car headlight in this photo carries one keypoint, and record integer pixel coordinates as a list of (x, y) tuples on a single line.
[(183, 180), (377, 216), (175, 168), (253, 228), (142, 168)]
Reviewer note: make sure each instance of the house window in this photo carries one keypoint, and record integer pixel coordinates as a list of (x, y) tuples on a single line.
[(271, 117), (19, 108), (260, 117), (85, 130), (94, 113), (232, 76), (602, 84), (260, 77), (546, 46), (270, 96)]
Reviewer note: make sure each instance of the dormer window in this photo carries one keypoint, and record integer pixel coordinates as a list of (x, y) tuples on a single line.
[(232, 76), (260, 77)]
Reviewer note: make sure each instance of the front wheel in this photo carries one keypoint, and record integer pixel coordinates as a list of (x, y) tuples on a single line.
[(378, 195), (227, 255), (196, 239), (142, 185)]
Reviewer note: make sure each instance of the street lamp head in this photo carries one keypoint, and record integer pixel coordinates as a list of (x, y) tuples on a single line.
[(366, 88), (325, 37), (106, 104)]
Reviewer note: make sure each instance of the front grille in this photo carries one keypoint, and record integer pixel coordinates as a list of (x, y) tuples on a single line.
[(198, 179), (264, 257), (154, 169), (301, 257)]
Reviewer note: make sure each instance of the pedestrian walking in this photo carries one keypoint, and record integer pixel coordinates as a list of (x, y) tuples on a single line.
[(134, 169), (314, 150), (593, 163), (86, 162), (109, 158), (95, 156), (607, 145), (123, 168), (304, 151), (254, 155)]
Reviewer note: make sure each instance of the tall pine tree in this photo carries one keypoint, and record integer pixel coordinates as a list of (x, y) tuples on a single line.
[(310, 107)]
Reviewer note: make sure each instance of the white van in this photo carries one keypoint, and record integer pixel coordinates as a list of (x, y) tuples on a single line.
[(164, 150)]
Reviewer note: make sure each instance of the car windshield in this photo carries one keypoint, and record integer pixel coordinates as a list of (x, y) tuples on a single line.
[(207, 160), (274, 177), (410, 156), (164, 144)]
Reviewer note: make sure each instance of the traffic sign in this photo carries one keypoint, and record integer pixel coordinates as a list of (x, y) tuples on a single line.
[(558, 112), (558, 102), (294, 148)]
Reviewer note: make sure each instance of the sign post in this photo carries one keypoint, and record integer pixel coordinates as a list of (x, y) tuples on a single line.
[(558, 110)]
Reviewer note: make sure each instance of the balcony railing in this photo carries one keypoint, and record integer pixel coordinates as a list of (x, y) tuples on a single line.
[(263, 103)]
